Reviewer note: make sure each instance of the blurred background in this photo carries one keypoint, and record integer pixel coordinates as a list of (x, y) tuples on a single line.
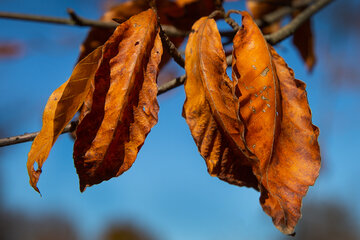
[(168, 194)]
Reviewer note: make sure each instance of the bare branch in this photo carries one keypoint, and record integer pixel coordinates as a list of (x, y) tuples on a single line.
[(281, 13), (171, 48), (30, 136), (166, 42), (171, 84), (75, 20), (231, 21), (290, 28), (72, 125)]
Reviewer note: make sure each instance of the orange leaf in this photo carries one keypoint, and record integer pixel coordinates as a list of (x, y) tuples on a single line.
[(124, 106), (62, 105), (210, 108), (296, 160), (256, 87), (278, 122)]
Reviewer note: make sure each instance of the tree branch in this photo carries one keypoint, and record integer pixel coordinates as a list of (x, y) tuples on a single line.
[(281, 13), (273, 38), (171, 31), (290, 28), (72, 125), (75, 20), (171, 48), (30, 136)]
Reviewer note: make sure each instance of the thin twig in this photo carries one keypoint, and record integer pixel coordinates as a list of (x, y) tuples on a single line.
[(280, 13), (30, 136), (82, 22), (166, 42), (290, 28), (171, 48), (176, 82), (72, 125), (74, 16), (231, 21)]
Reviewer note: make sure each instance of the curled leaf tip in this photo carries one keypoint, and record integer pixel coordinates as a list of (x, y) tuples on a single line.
[(62, 105)]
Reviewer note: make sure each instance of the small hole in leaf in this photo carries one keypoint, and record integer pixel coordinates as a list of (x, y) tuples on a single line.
[(137, 43)]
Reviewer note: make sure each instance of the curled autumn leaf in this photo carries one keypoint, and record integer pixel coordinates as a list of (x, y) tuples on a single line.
[(277, 117), (62, 105), (210, 108), (124, 107)]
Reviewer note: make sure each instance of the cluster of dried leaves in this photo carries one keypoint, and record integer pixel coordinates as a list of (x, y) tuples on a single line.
[(254, 130)]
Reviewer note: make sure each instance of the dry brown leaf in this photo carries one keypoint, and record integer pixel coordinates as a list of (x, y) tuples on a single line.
[(62, 105), (98, 36), (168, 12), (287, 149), (303, 39), (256, 87), (295, 164), (210, 108), (180, 14), (124, 106)]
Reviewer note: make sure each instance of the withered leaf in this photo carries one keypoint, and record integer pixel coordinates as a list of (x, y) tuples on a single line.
[(169, 12), (255, 78), (295, 164), (181, 14), (124, 106), (277, 117), (62, 105), (98, 36), (304, 41), (210, 108)]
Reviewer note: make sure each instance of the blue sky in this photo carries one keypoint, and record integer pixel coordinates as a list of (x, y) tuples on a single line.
[(168, 190)]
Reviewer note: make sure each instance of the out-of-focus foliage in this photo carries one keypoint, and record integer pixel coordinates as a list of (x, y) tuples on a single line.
[(327, 221)]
